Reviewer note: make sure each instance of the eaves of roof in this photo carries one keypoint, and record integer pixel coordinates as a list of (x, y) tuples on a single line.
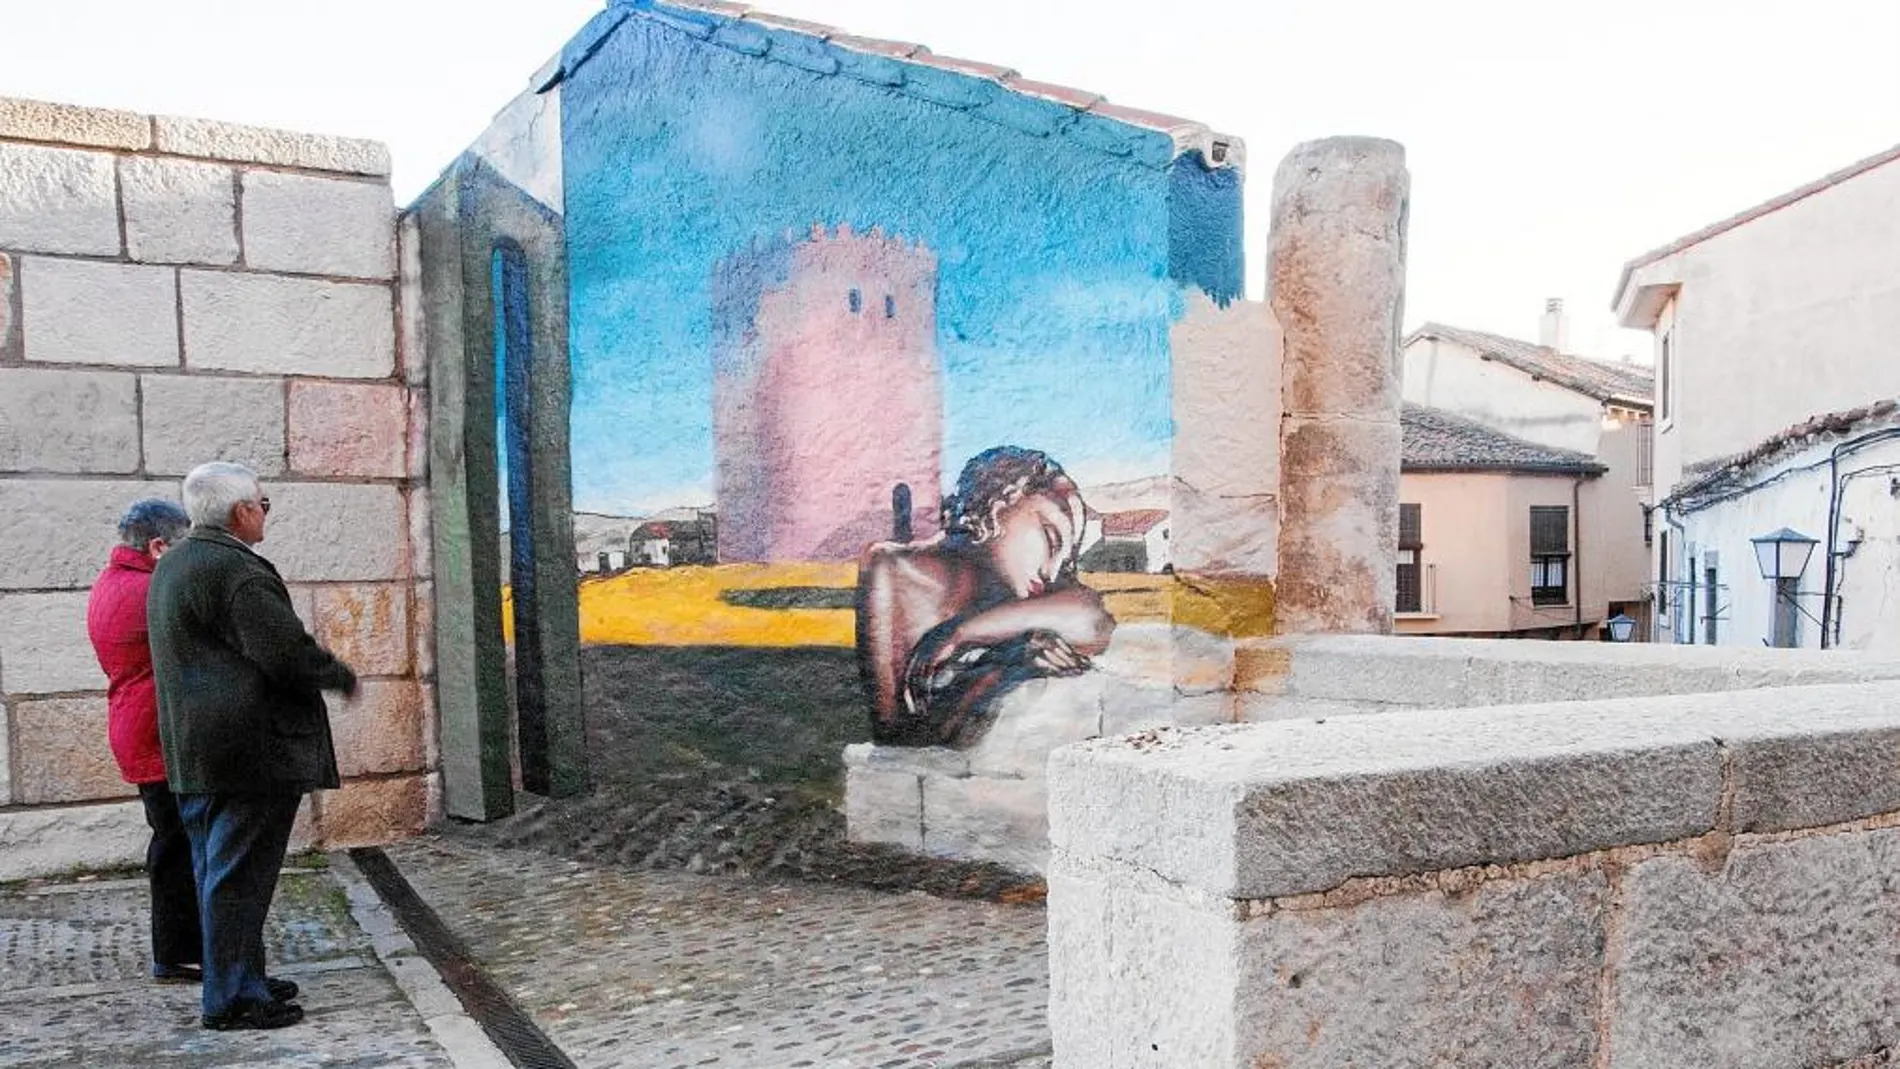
[(1771, 205), (984, 90)]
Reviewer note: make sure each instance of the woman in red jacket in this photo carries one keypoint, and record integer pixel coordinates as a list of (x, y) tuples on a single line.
[(115, 619)]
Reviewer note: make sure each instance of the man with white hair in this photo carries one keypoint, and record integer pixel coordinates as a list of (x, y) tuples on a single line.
[(244, 729)]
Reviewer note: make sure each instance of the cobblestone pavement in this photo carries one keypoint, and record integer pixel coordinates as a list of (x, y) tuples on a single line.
[(74, 988), (664, 969)]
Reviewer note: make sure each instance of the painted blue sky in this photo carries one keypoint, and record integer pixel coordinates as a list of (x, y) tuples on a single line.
[(1054, 300)]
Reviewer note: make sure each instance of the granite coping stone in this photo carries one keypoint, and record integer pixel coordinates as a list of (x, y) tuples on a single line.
[(1266, 810)]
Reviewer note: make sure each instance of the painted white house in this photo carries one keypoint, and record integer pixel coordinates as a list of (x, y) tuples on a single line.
[(1535, 392), (1777, 350)]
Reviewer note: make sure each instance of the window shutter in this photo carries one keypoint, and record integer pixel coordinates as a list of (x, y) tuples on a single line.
[(1411, 527), (1550, 530)]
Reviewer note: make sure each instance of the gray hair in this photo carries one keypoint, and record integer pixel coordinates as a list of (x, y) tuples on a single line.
[(213, 490), (152, 518)]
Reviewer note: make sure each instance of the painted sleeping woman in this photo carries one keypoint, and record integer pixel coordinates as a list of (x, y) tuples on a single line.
[(946, 625)]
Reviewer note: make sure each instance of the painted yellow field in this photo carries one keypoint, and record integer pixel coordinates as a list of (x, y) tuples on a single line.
[(683, 606)]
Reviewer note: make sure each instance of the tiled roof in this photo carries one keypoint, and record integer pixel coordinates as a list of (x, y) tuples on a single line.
[(1624, 384), (1775, 204), (1436, 440), (985, 90), (1132, 523)]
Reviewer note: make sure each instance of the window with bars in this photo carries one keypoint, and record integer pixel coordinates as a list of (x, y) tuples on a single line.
[(1550, 554), (1411, 541)]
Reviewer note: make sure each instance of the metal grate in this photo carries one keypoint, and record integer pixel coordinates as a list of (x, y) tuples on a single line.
[(519, 1038)]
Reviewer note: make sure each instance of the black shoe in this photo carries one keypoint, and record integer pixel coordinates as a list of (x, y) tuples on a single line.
[(281, 990), (177, 974), (245, 1015)]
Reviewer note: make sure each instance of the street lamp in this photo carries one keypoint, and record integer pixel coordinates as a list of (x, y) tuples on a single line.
[(1621, 627), (1783, 554)]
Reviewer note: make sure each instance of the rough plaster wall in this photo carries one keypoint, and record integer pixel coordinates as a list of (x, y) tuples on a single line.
[(1466, 531), (1447, 375), (1819, 278), (283, 354)]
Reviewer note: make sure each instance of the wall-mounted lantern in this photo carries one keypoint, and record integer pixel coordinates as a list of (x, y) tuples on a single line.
[(1782, 556), (1621, 627)]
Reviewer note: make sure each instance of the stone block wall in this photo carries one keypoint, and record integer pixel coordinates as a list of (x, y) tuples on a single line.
[(1674, 881), (174, 291)]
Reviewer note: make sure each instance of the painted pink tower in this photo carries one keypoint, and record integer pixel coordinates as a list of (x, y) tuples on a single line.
[(827, 395)]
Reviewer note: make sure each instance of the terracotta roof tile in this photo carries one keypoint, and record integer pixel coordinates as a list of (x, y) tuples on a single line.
[(1436, 440), (780, 22), (1600, 379), (1131, 523), (1079, 99), (973, 68), (747, 30), (878, 46)]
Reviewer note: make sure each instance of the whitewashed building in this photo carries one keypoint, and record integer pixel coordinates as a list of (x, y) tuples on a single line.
[(1777, 342), (1535, 393)]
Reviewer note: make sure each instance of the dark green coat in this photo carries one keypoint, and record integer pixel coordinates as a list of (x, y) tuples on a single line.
[(238, 676)]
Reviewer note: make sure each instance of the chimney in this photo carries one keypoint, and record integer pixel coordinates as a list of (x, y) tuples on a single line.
[(1555, 331)]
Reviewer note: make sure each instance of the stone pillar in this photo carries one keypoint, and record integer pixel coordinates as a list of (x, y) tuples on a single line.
[(1336, 284)]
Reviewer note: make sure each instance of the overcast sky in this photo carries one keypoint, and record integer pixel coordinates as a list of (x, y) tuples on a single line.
[(1548, 142)]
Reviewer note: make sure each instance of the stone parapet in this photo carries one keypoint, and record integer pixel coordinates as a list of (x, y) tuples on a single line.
[(1320, 674), (1656, 882)]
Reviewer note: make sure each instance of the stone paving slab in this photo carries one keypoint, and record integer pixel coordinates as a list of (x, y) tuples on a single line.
[(73, 987), (657, 969)]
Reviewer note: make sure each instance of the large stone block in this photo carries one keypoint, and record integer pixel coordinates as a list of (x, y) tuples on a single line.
[(411, 321), (1263, 810), (6, 753), (56, 533), (331, 532), (371, 812), (424, 629), (41, 120), (1502, 975), (982, 818), (256, 144), (57, 200), (365, 625), (78, 312), (418, 435), (191, 419), (179, 211), (1783, 956), (318, 226), (346, 429), (1140, 976), (68, 421), (9, 311), (884, 806), (50, 842), (380, 729), (1035, 718), (1338, 544), (421, 536), (288, 326), (64, 755), (43, 644)]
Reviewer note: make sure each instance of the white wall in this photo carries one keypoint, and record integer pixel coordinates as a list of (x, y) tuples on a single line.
[(1796, 494), (1446, 375), (1785, 316)]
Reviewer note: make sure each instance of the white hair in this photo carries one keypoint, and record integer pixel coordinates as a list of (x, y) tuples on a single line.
[(213, 490)]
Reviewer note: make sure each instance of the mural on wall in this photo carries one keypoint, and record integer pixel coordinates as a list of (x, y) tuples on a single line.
[(872, 392)]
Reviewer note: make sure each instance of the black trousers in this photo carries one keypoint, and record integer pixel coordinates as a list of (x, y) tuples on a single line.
[(177, 937)]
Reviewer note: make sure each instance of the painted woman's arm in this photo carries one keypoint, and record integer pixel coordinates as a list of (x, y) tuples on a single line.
[(1075, 613), (880, 661)]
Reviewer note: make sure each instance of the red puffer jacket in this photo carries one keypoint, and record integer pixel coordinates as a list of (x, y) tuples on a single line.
[(115, 618)]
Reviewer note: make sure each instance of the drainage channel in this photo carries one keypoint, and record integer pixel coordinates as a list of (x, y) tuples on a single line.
[(512, 1030)]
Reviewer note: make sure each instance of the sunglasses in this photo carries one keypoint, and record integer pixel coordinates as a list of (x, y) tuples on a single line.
[(263, 502)]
